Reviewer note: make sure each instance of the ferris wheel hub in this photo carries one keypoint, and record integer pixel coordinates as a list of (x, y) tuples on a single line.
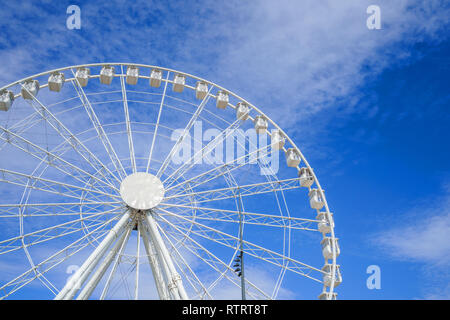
[(142, 190)]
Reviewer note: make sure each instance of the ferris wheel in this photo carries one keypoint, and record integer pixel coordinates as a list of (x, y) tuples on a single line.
[(131, 181)]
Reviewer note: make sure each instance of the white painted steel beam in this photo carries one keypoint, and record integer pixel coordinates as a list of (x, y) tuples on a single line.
[(161, 248), (72, 287)]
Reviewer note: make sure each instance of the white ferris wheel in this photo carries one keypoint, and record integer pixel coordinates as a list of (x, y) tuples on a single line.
[(130, 181)]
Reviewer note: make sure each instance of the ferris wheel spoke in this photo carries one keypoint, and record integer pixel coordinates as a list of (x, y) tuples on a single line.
[(219, 171), (157, 122), (222, 215), (54, 260), (211, 260), (57, 209), (127, 120), (184, 134), (72, 140), (47, 185), (48, 157), (21, 126), (193, 279), (180, 171), (99, 128), (245, 190), (252, 249), (50, 233)]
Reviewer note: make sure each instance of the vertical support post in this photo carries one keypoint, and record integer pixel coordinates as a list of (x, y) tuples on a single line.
[(99, 273), (77, 280), (174, 278), (161, 285), (168, 282), (116, 263)]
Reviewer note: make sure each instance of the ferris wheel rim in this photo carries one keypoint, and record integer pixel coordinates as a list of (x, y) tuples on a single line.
[(291, 142)]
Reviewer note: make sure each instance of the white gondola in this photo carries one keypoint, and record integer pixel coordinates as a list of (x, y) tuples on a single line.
[(306, 177), (155, 78), (292, 157), (201, 89), (315, 199), (30, 89), (261, 124), (132, 75), (324, 225), (178, 82), (56, 81), (327, 276), (222, 99), (277, 140), (327, 248), (6, 100), (328, 296), (107, 74), (82, 76), (242, 111)]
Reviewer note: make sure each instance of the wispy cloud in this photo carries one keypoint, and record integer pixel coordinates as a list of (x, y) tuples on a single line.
[(298, 57), (423, 237)]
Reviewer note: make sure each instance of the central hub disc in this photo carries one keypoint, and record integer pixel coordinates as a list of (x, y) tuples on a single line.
[(142, 190)]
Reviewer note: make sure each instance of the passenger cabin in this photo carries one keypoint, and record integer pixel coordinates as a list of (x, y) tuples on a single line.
[(222, 99), (107, 75), (261, 124), (327, 275), (324, 225), (315, 199), (6, 100), (132, 75), (82, 76), (201, 90), (327, 248), (178, 83), (56, 81), (306, 177), (277, 140), (155, 78), (242, 111), (292, 157), (328, 296), (30, 89)]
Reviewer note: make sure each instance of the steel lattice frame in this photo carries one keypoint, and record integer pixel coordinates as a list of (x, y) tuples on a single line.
[(171, 233)]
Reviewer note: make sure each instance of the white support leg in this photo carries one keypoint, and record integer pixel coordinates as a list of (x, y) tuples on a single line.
[(99, 273), (157, 272), (77, 280), (175, 278), (116, 263), (168, 282)]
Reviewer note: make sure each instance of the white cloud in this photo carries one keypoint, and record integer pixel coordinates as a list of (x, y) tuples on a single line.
[(425, 240), (422, 236)]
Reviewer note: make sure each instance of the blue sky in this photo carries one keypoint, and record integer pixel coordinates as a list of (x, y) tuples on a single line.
[(368, 108)]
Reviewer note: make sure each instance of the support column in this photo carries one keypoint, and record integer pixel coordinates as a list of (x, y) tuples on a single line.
[(100, 272), (156, 267), (77, 280), (174, 278)]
